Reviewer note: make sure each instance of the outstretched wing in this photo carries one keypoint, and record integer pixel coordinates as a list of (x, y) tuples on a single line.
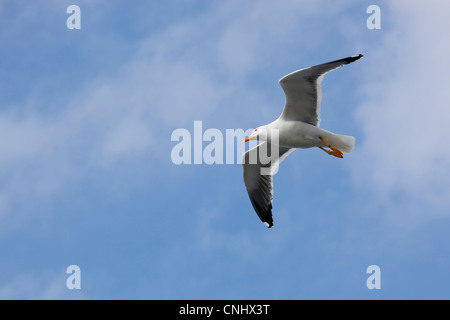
[(258, 170), (304, 92)]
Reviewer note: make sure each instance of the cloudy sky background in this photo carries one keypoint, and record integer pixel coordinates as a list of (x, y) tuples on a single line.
[(86, 176)]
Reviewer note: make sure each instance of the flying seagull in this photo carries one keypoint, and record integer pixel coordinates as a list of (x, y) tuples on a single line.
[(297, 127)]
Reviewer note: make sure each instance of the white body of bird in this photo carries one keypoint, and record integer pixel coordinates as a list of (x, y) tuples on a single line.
[(298, 134), (297, 127)]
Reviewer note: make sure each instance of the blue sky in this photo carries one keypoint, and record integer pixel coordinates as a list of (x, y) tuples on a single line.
[(86, 178)]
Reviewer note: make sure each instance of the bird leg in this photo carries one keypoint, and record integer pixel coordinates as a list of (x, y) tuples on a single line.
[(334, 151)]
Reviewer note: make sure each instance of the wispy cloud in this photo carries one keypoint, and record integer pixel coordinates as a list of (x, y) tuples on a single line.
[(404, 113)]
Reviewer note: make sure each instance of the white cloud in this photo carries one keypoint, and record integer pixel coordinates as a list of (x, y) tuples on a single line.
[(110, 120), (405, 112), (242, 47)]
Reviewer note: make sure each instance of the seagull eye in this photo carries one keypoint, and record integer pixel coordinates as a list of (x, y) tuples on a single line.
[(256, 130)]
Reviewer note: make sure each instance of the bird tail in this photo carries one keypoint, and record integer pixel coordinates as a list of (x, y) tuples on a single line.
[(343, 143)]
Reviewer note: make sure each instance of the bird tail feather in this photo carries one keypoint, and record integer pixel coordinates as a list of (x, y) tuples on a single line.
[(343, 143)]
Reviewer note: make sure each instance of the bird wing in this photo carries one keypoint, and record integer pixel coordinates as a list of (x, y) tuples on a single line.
[(304, 92), (258, 169)]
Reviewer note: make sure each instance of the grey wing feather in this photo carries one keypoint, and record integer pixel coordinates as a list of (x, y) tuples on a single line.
[(304, 92), (258, 177)]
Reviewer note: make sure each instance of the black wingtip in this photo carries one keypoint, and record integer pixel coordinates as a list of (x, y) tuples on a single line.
[(268, 224), (346, 60), (353, 58)]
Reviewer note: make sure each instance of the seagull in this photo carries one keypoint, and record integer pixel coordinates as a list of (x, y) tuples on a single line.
[(297, 127)]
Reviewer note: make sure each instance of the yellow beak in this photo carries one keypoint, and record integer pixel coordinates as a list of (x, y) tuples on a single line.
[(247, 139)]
